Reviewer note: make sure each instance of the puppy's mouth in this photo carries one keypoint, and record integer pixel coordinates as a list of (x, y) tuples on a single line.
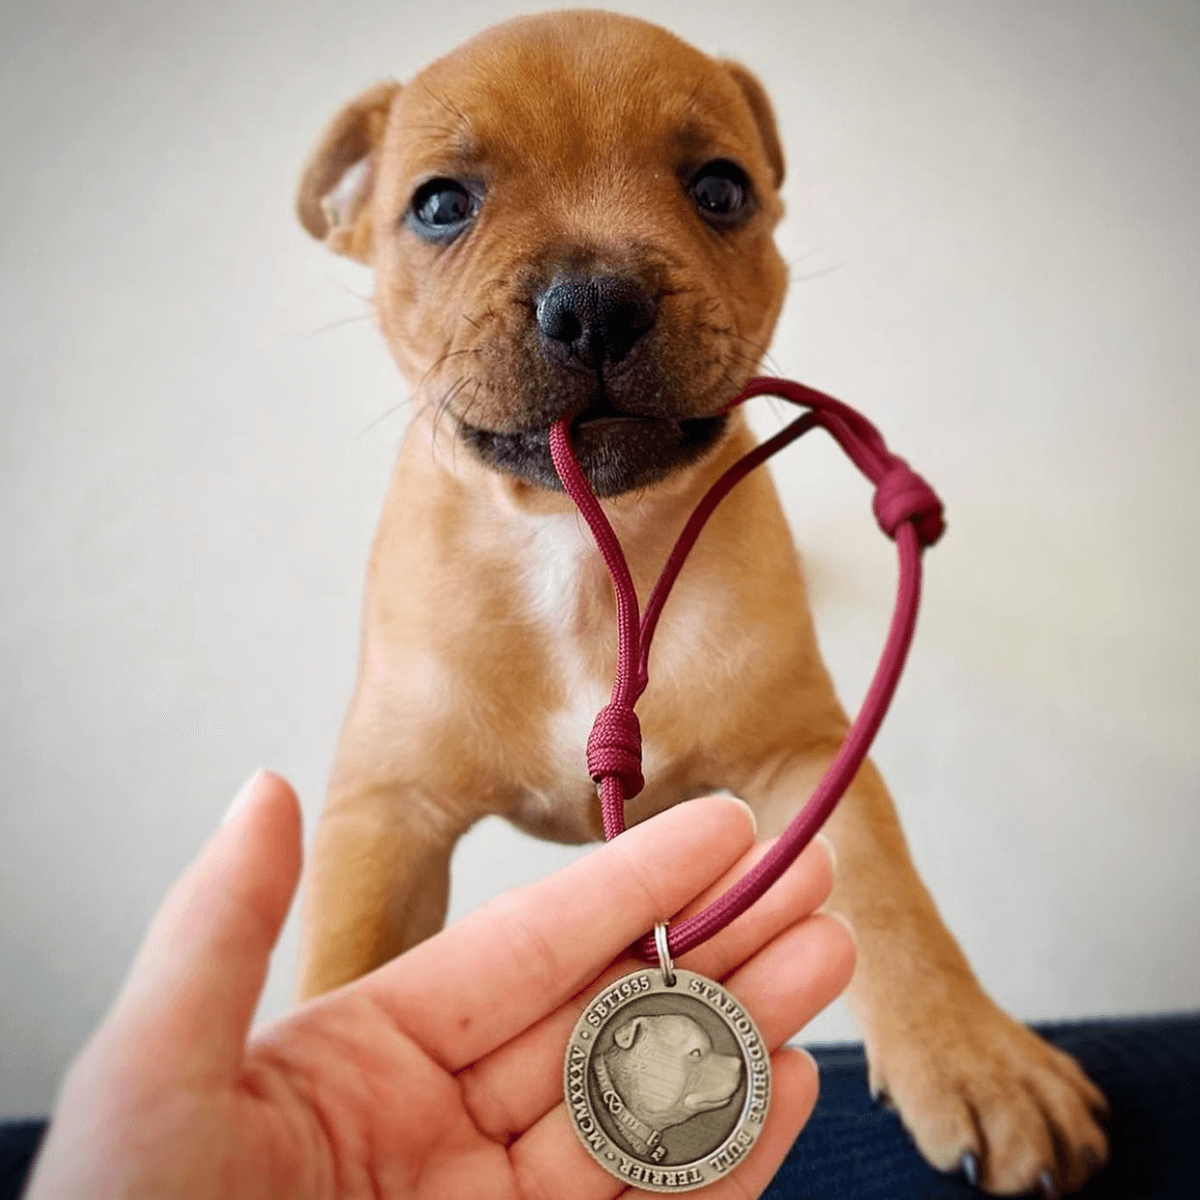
[(618, 451)]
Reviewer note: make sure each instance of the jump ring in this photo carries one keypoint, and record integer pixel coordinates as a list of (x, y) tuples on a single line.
[(664, 953)]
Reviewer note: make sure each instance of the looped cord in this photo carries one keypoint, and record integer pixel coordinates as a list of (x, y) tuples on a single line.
[(909, 512), (614, 748), (902, 495)]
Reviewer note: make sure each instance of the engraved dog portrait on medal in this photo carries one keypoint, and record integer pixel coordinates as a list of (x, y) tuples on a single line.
[(661, 1071), (666, 1084)]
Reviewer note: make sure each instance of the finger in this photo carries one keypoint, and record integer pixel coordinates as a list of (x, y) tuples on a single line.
[(551, 1161), (519, 1082), (504, 967), (196, 980), (800, 973), (798, 893)]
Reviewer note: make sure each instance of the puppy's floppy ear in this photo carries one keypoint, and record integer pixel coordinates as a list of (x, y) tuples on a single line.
[(627, 1034), (337, 179), (764, 116)]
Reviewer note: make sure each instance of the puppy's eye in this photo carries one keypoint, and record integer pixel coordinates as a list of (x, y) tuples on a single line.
[(721, 191), (694, 1054), (440, 210)]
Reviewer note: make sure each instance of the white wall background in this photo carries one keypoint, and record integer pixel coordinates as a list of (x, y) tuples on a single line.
[(996, 252)]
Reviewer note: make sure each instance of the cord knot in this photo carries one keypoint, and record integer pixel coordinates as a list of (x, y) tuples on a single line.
[(902, 495), (614, 747)]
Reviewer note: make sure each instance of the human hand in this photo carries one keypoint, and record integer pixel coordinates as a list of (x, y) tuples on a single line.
[(438, 1075)]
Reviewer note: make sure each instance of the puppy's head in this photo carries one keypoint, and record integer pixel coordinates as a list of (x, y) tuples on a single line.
[(666, 1070), (571, 214)]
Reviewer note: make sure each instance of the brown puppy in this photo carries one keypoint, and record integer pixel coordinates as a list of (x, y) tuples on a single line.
[(573, 214)]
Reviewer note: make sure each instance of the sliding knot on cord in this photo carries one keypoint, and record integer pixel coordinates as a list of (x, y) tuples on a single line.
[(614, 747), (902, 495)]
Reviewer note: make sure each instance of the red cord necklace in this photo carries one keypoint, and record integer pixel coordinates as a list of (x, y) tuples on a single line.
[(623, 1056)]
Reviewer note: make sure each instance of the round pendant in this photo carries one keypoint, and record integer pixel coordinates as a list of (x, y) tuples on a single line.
[(666, 1085)]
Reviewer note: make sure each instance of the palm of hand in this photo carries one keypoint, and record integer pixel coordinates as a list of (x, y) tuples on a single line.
[(439, 1075), (370, 1113)]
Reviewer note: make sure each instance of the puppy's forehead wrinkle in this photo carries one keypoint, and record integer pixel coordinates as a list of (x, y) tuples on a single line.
[(461, 125), (638, 87), (696, 140)]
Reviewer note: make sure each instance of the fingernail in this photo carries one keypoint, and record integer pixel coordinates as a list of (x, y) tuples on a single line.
[(738, 800), (844, 921), (803, 1050), (969, 1164), (830, 849), (1047, 1186), (244, 794)]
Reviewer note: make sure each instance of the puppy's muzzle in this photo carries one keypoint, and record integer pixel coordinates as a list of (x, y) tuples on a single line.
[(592, 321), (596, 348)]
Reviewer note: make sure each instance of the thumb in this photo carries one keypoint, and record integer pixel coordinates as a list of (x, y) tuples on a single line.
[(191, 994)]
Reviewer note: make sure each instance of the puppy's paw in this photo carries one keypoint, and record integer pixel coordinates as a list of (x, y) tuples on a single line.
[(983, 1095)]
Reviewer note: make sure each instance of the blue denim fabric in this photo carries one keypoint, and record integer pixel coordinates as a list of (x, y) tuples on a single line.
[(1148, 1067)]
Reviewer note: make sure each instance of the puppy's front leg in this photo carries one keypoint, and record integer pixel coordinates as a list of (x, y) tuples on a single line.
[(977, 1090), (377, 883)]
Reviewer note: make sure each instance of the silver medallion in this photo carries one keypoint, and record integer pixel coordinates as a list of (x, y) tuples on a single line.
[(666, 1079)]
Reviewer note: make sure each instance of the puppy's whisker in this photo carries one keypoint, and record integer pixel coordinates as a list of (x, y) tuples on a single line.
[(343, 321), (440, 361), (752, 358), (469, 407), (755, 354), (444, 403), (367, 300), (769, 361), (821, 274), (383, 416), (449, 354)]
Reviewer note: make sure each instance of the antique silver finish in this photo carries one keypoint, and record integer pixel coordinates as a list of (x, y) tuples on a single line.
[(666, 1084)]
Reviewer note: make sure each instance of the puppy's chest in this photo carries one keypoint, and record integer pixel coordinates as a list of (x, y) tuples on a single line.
[(559, 585), (568, 597)]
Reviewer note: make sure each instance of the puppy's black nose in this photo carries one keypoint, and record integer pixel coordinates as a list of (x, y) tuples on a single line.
[(593, 318)]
